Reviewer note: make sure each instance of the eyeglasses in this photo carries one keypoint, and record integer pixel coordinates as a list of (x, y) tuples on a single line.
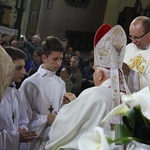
[(137, 38)]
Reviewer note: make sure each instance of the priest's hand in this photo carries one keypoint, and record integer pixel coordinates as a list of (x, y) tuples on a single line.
[(26, 136), (50, 118)]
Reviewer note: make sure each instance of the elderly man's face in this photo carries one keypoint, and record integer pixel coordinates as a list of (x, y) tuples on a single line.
[(35, 39)]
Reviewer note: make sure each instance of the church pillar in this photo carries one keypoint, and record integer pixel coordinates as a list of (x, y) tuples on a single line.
[(112, 12)]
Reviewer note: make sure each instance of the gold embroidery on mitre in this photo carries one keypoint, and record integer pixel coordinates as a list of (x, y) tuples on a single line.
[(109, 51), (137, 62), (115, 91), (118, 31)]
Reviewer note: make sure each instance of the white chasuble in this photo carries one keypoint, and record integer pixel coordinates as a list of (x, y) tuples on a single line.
[(139, 63), (79, 117)]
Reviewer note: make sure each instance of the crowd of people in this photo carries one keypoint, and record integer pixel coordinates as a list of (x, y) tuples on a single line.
[(71, 59), (60, 96)]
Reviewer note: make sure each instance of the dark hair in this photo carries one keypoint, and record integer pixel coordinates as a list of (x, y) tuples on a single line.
[(15, 53), (68, 69), (91, 60), (146, 24), (3, 35), (76, 58), (39, 53), (52, 44)]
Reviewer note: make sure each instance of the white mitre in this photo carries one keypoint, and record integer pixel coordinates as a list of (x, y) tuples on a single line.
[(109, 50), (6, 71)]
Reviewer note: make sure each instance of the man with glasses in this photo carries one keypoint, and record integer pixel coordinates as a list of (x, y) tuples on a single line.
[(137, 56)]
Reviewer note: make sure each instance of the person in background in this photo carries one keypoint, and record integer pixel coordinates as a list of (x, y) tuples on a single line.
[(12, 38), (65, 43), (76, 75), (91, 55), (64, 75), (5, 38), (43, 92), (13, 117), (137, 54), (33, 66), (67, 57), (30, 47), (70, 50), (87, 73), (15, 43), (81, 62)]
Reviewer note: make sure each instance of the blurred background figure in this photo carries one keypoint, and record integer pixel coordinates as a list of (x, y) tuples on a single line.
[(76, 75), (91, 55), (64, 75), (30, 47), (15, 43), (65, 43), (81, 62), (67, 57), (87, 73), (4, 40), (33, 66), (70, 50), (12, 38)]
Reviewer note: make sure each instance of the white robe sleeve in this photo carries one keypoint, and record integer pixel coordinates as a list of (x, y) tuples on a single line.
[(37, 122), (79, 117), (9, 140)]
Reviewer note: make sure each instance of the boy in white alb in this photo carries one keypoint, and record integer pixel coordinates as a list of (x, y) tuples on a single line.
[(43, 92), (13, 117)]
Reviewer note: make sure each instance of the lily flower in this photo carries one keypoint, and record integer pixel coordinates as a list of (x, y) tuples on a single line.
[(95, 140), (139, 99), (119, 110)]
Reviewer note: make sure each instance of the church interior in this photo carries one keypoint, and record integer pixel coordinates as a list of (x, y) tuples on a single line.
[(76, 20)]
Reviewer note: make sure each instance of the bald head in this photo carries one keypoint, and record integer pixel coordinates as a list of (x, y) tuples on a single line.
[(143, 22), (139, 32), (36, 39)]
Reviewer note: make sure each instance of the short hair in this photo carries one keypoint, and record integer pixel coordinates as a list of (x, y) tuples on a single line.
[(38, 53), (146, 24), (15, 53), (3, 35), (37, 37), (76, 58), (91, 60), (144, 21), (52, 44), (68, 69)]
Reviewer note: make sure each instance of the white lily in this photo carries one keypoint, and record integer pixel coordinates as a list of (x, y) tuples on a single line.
[(142, 99), (95, 140), (119, 110)]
